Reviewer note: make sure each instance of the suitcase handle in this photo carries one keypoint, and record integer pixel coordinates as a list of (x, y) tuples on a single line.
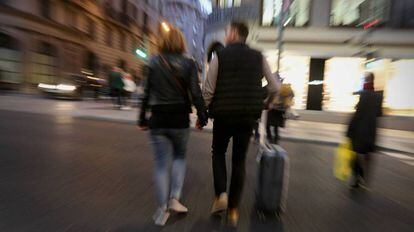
[(262, 130)]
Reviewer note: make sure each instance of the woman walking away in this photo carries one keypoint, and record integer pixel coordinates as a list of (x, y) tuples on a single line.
[(363, 130), (171, 87), (277, 112)]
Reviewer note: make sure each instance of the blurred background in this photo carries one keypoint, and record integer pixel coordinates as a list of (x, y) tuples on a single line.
[(332, 42), (83, 165)]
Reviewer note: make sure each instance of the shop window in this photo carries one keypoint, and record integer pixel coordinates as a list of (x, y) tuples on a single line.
[(297, 14), (295, 71), (228, 3), (359, 12), (71, 19), (44, 63), (47, 49), (402, 14), (108, 38), (399, 93), (394, 77), (8, 42), (343, 78), (122, 42), (91, 62), (145, 19), (91, 28)]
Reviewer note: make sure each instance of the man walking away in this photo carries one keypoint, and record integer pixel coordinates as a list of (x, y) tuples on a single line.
[(117, 87), (363, 129), (233, 92)]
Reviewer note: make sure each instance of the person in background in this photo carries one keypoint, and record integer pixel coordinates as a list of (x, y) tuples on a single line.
[(171, 87), (233, 92), (277, 112), (116, 86), (129, 88), (362, 130), (256, 132)]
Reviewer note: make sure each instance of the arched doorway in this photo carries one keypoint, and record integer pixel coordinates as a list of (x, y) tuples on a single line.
[(44, 63), (10, 62), (91, 62)]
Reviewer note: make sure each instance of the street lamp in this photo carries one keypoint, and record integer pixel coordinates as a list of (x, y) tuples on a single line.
[(165, 27), (141, 53)]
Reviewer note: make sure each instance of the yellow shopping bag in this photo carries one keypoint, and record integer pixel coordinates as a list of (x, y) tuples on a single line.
[(343, 160)]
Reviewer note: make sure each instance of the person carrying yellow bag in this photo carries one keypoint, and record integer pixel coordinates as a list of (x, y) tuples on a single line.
[(344, 160), (362, 131)]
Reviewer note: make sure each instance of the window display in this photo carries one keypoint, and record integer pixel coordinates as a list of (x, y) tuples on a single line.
[(297, 15)]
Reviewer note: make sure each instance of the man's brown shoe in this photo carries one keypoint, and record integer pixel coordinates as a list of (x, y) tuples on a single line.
[(233, 217), (219, 204)]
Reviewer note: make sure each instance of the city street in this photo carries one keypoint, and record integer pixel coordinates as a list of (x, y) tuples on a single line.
[(62, 173), (75, 76)]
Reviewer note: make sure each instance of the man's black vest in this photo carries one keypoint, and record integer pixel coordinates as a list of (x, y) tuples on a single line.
[(239, 90)]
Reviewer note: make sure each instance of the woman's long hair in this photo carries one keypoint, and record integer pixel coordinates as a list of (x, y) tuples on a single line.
[(172, 41)]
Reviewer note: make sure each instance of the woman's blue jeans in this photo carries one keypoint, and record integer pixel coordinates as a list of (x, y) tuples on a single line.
[(169, 143)]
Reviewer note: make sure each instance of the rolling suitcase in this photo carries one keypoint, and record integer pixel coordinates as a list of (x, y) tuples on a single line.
[(272, 176)]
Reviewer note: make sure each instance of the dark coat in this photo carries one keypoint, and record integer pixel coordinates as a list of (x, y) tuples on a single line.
[(115, 80), (171, 81), (238, 93), (363, 125)]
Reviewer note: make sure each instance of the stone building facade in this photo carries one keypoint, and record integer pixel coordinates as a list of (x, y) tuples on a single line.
[(42, 40), (189, 17)]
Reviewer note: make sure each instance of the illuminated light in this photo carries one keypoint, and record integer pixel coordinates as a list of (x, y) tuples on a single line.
[(141, 53), (65, 87), (373, 63), (87, 73), (46, 86), (316, 82), (93, 78), (165, 27), (343, 77), (371, 24), (287, 21), (264, 82)]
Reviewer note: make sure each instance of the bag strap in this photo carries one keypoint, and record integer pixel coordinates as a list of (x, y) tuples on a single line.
[(178, 83)]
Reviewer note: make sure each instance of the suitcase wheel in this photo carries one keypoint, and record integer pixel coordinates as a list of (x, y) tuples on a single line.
[(264, 216)]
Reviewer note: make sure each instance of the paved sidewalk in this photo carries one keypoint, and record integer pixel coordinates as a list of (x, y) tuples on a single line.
[(296, 130)]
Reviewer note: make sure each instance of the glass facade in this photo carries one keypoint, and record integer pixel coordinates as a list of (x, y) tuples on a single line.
[(344, 77), (402, 14), (396, 79), (359, 12), (297, 15)]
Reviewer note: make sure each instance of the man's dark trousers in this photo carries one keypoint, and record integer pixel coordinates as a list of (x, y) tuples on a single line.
[(223, 130)]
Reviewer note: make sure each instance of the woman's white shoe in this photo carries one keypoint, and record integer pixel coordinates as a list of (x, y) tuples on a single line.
[(161, 216), (176, 206)]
